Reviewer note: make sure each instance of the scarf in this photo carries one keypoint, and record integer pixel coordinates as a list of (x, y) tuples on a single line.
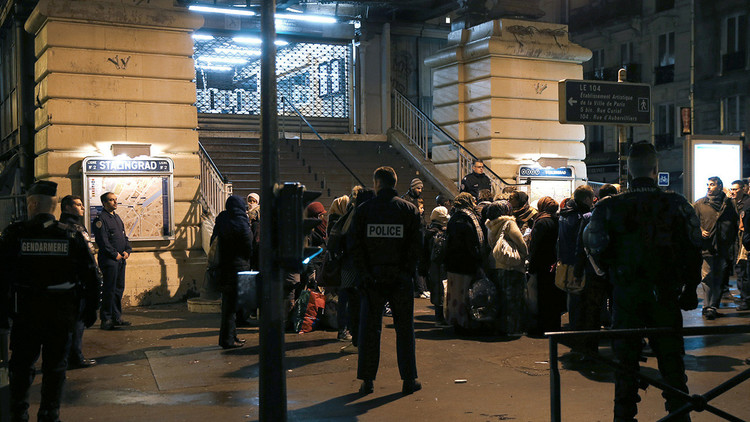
[(547, 208), (716, 201), (475, 221)]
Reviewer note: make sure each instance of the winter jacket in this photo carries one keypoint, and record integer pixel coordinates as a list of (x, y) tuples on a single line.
[(232, 229), (722, 225), (506, 225), (542, 245), (567, 237), (463, 253)]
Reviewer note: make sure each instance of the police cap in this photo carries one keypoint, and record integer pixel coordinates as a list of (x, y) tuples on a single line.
[(43, 187)]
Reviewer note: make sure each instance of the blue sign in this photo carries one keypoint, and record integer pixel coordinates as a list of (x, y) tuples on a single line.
[(564, 172), (663, 178), (126, 165)]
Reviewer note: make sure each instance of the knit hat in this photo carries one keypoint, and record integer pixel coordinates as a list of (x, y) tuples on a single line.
[(254, 195), (416, 183), (315, 208), (440, 214)]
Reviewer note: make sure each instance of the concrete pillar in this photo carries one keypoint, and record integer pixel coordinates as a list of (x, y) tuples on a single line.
[(121, 71), (495, 91)]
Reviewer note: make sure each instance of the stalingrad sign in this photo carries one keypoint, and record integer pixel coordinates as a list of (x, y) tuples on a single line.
[(604, 103)]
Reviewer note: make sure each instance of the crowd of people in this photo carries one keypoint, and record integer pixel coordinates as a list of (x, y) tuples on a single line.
[(489, 264)]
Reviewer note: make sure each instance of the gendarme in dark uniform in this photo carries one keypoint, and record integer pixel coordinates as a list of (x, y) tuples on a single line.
[(648, 241), (114, 250), (385, 252), (48, 267)]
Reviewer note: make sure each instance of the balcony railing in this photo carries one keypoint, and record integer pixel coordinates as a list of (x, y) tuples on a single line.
[(663, 74), (733, 61)]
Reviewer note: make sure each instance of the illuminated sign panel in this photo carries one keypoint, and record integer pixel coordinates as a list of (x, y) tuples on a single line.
[(143, 187), (707, 156)]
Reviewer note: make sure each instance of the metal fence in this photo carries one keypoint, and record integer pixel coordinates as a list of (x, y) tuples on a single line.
[(315, 77)]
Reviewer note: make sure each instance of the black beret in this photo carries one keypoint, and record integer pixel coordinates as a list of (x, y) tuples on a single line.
[(43, 187)]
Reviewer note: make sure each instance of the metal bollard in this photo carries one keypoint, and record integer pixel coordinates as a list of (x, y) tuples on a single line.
[(4, 381)]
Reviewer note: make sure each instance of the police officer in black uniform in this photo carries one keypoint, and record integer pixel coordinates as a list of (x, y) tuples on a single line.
[(386, 248), (114, 250), (649, 243), (72, 212), (476, 180), (48, 266)]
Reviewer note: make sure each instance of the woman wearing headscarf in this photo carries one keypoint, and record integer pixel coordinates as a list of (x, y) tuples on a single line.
[(545, 301), (338, 208), (463, 260), (522, 211), (510, 274), (232, 231)]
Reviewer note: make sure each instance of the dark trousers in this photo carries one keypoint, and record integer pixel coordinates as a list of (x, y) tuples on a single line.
[(113, 286), (632, 308), (743, 280), (593, 299), (714, 268), (228, 330), (45, 328), (401, 298), (76, 341)]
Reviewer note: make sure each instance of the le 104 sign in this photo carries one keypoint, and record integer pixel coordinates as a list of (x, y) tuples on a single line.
[(604, 103)]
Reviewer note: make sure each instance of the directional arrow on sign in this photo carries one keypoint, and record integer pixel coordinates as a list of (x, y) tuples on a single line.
[(571, 101)]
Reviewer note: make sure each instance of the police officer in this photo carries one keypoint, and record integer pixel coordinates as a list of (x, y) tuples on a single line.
[(114, 250), (476, 180), (48, 266), (386, 248), (72, 212), (649, 243)]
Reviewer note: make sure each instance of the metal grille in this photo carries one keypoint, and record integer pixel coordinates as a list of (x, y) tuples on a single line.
[(312, 76)]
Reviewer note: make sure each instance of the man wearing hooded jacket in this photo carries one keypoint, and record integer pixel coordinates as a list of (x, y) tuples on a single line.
[(719, 226)]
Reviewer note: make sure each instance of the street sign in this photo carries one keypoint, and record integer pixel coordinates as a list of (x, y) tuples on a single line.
[(663, 178), (604, 103)]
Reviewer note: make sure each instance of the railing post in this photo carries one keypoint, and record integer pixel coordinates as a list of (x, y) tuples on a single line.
[(554, 382)]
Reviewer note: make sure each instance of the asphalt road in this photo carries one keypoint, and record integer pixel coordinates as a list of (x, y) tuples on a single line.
[(168, 367)]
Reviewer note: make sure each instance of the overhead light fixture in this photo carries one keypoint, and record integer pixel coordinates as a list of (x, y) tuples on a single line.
[(214, 59), (217, 68), (208, 9), (291, 9), (203, 37), (306, 18), (447, 19), (223, 50), (257, 41)]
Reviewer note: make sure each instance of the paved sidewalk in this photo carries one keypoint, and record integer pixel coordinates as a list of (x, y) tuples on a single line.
[(168, 367)]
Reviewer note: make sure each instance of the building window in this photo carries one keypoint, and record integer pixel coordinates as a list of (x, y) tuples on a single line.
[(734, 43), (596, 139), (662, 5), (664, 73), (664, 125), (733, 112), (626, 53), (597, 59)]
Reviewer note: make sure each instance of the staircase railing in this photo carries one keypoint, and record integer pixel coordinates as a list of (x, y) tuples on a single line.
[(215, 188), (423, 132), (285, 102)]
